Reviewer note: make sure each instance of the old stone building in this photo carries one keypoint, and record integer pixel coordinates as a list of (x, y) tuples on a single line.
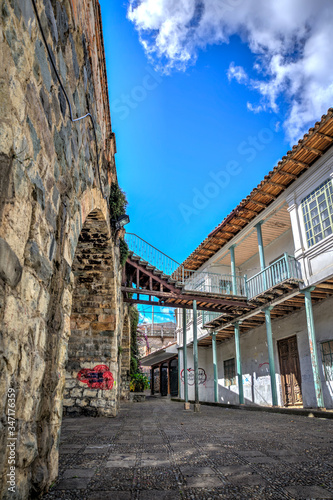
[(64, 328)]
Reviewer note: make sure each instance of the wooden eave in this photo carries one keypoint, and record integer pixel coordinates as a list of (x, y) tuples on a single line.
[(313, 145)]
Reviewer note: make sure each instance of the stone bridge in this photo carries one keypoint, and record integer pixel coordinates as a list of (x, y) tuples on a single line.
[(65, 337)]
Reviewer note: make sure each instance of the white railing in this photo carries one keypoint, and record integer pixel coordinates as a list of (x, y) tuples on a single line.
[(283, 269)]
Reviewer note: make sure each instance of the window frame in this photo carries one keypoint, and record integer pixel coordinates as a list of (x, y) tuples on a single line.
[(309, 219), (229, 367)]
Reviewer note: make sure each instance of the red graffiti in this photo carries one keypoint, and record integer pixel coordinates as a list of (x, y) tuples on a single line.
[(262, 364), (99, 377)]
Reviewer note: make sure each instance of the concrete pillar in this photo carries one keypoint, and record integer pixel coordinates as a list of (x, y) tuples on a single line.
[(195, 357), (216, 379), (313, 347), (239, 365), (186, 403), (233, 270), (267, 311)]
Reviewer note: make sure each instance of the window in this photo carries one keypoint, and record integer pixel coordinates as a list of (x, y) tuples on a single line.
[(327, 357), (229, 372), (317, 210)]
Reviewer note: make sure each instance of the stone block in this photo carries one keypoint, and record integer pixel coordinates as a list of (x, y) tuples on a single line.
[(76, 393), (10, 267), (36, 260)]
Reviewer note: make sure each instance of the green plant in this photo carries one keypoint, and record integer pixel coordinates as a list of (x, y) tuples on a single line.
[(124, 250), (139, 382), (134, 321), (118, 201), (120, 350)]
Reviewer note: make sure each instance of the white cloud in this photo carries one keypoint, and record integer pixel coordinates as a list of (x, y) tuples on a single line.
[(238, 73), (143, 319), (291, 41)]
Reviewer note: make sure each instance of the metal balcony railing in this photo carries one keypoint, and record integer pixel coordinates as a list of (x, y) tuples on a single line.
[(151, 254), (199, 281), (283, 269), (208, 316)]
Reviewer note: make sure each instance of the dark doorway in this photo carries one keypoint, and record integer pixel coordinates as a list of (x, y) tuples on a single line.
[(290, 372), (164, 380), (174, 377)]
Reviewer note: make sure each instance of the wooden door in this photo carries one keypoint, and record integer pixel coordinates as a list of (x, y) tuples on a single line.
[(164, 380), (290, 371), (174, 377)]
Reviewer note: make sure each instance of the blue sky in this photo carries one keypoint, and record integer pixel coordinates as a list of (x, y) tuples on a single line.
[(190, 140)]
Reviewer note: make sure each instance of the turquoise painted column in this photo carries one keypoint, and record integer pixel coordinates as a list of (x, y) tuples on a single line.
[(185, 357), (261, 254), (260, 244), (313, 347), (179, 373), (267, 311), (216, 379), (195, 356), (239, 365), (233, 270)]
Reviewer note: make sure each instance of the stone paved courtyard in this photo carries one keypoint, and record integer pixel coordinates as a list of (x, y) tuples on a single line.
[(156, 450)]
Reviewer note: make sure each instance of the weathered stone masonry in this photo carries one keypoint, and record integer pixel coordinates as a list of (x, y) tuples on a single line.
[(59, 259)]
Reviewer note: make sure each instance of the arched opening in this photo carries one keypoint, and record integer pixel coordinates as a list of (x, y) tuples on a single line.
[(92, 366)]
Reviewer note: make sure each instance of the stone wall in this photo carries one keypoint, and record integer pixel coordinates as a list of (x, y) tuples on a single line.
[(52, 184)]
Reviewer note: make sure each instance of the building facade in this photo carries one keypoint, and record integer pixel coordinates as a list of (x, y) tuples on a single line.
[(274, 252)]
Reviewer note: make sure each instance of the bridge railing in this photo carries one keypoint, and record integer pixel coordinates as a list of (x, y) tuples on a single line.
[(151, 254), (199, 281)]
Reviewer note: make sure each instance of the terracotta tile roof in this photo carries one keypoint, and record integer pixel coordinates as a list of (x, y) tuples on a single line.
[(308, 149)]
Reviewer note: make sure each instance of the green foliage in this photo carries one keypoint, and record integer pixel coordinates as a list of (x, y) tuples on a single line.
[(139, 382), (134, 321), (118, 201), (123, 248)]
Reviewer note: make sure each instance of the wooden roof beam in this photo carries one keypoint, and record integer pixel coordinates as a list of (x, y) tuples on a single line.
[(276, 184), (325, 136), (313, 150), (262, 205), (289, 174), (264, 193), (298, 162)]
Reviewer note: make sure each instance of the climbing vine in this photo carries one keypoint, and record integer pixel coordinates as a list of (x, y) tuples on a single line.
[(124, 250), (118, 201), (139, 381)]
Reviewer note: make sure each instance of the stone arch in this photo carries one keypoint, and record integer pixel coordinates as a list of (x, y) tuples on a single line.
[(92, 361)]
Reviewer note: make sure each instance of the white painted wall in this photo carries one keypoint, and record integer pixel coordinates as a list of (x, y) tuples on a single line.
[(256, 379)]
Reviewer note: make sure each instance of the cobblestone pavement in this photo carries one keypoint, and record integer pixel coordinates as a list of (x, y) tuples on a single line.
[(156, 451)]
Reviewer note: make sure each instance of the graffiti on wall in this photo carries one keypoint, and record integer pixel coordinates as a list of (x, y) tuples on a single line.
[(190, 376), (99, 377)]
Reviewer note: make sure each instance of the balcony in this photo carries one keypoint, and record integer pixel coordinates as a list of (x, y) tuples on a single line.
[(281, 271)]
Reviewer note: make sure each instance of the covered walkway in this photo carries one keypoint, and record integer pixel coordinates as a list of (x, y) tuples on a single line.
[(155, 450)]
